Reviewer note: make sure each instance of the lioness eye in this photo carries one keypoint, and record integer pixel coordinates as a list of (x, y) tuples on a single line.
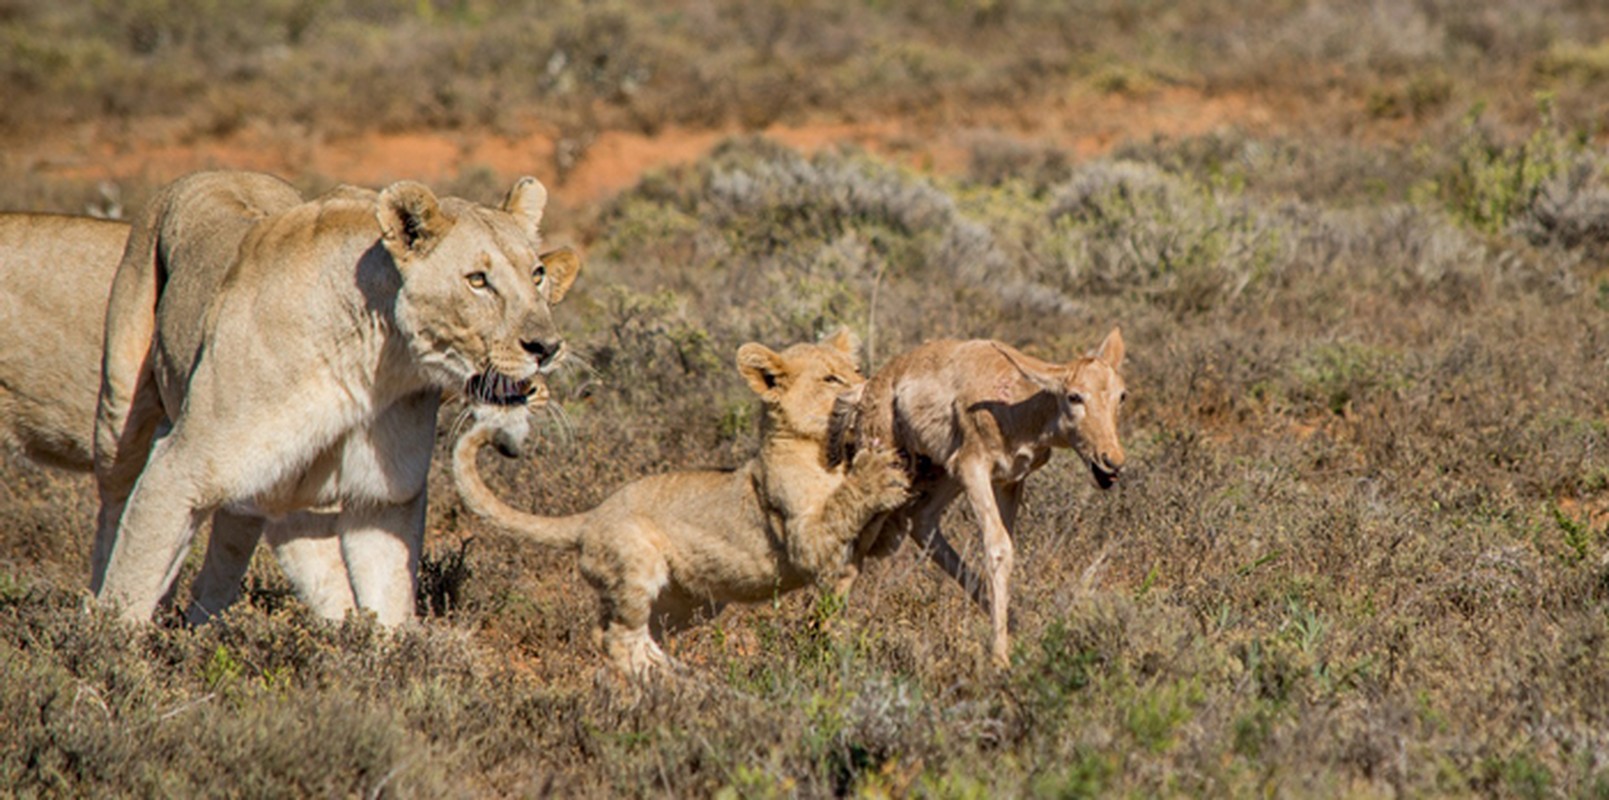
[(477, 280), (539, 273)]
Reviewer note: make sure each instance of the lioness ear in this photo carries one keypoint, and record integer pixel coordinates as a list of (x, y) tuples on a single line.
[(411, 220), (762, 368), (1111, 349), (562, 266), (845, 341), (528, 200)]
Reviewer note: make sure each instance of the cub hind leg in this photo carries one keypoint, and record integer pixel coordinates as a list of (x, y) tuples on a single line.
[(630, 574)]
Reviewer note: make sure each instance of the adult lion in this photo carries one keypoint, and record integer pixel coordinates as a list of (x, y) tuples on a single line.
[(55, 273), (270, 359)]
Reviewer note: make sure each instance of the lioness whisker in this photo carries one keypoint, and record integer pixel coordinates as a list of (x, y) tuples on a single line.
[(571, 357), (458, 422), (562, 422)]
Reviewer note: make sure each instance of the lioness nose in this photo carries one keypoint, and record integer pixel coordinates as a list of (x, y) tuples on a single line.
[(542, 349)]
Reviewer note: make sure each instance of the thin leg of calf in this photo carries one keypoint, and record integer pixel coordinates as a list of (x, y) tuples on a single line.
[(998, 554)]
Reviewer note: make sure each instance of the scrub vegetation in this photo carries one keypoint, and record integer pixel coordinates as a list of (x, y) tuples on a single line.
[(1361, 546)]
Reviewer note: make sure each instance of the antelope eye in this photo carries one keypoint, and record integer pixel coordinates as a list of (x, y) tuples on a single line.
[(1076, 398), (539, 274), (477, 280), (1123, 397)]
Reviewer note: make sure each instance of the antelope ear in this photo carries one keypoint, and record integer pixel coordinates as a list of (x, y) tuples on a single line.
[(844, 341), (763, 368), (411, 220), (527, 200), (562, 265), (1111, 349)]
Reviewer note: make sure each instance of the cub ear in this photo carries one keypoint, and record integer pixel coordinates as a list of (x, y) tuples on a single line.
[(1111, 349), (563, 265), (763, 368), (411, 220), (527, 200), (845, 341)]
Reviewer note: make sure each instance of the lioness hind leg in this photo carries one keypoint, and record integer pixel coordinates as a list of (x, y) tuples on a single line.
[(229, 550), (120, 457), (156, 529), (309, 553), (380, 545)]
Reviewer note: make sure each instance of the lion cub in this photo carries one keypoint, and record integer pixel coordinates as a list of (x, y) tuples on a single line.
[(665, 547)]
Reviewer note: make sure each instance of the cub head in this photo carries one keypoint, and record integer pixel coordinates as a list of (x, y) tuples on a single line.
[(800, 384), (475, 300)]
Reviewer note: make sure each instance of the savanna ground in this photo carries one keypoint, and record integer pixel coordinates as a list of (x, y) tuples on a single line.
[(1357, 250)]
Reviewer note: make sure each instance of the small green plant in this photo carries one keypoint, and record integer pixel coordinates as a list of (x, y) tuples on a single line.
[(222, 670), (1491, 184), (1578, 535), (1518, 775), (1085, 775), (1153, 714)]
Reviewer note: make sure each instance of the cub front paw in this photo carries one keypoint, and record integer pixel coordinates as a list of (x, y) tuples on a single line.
[(882, 473)]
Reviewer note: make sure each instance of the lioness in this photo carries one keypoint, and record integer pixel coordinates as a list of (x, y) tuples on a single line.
[(270, 358), (663, 548), (979, 416), (55, 273)]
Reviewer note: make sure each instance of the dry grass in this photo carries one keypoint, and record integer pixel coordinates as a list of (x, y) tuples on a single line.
[(1362, 547)]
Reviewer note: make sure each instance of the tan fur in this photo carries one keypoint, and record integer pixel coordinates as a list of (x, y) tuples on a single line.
[(979, 417), (55, 275), (271, 359), (663, 548)]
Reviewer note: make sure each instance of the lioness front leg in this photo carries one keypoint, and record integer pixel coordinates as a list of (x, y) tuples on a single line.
[(309, 553), (229, 550), (380, 545)]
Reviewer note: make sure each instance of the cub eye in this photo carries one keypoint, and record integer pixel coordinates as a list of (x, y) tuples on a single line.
[(837, 380), (1076, 398), (477, 280), (539, 274)]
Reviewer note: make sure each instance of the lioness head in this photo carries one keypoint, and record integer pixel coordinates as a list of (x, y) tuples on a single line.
[(474, 304), (799, 385), (1091, 393)]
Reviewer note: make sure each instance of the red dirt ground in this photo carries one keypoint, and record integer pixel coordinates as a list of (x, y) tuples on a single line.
[(1087, 124)]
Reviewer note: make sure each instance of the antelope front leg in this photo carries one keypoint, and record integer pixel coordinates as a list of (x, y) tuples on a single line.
[(998, 555)]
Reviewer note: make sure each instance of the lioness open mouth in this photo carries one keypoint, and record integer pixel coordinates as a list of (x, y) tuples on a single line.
[(494, 388)]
